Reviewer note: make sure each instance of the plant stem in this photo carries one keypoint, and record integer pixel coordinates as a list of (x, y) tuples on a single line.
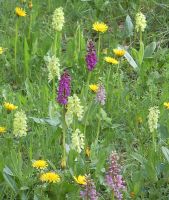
[(98, 127), (98, 50), (15, 48), (154, 141), (54, 93), (64, 128)]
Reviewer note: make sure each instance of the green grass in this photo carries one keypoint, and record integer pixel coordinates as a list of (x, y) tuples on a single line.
[(129, 95)]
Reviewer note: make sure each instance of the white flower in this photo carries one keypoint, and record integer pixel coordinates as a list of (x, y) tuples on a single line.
[(20, 124), (58, 19), (153, 118), (53, 66), (78, 141), (141, 22)]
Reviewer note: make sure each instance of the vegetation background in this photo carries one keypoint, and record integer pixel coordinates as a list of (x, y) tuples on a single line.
[(121, 122)]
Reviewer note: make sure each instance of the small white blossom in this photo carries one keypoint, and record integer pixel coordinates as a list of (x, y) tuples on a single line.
[(78, 141), (141, 22), (153, 118)]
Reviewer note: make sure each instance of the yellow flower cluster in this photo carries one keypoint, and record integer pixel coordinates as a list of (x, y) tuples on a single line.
[(53, 66), (50, 177), (2, 129), (58, 19), (100, 27), (141, 22), (20, 124), (119, 52), (10, 106), (111, 60), (166, 105), (93, 87), (74, 107), (20, 12), (153, 118), (80, 179), (40, 164), (78, 141), (1, 50)]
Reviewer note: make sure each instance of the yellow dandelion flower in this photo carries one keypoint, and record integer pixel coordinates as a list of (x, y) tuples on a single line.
[(80, 179), (111, 60), (166, 105), (39, 164), (87, 151), (10, 106), (100, 27), (20, 12), (119, 52), (1, 50), (93, 87), (2, 129), (50, 177)]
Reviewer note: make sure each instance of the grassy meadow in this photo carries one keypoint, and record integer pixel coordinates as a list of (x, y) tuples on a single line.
[(84, 100)]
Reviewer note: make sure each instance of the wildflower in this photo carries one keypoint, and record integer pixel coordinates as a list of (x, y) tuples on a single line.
[(80, 179), (89, 191), (87, 151), (58, 19), (153, 118), (91, 58), (30, 5), (53, 66), (20, 12), (101, 95), (111, 60), (50, 177), (64, 88), (166, 105), (40, 164), (93, 87), (74, 107), (77, 141), (20, 124), (100, 27), (132, 195), (139, 120), (105, 51), (1, 50), (119, 52), (141, 22), (63, 163), (2, 129), (113, 178), (10, 106)]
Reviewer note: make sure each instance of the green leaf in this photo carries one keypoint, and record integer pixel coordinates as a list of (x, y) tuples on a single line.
[(165, 151), (149, 50), (139, 158), (53, 121), (128, 26), (131, 60), (141, 53), (10, 181)]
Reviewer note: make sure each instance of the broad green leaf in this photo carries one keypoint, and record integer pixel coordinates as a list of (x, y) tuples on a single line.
[(128, 26), (165, 151), (10, 181), (149, 50), (139, 158), (131, 60)]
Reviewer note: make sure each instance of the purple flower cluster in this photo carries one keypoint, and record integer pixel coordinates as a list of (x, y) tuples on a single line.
[(89, 191), (113, 178), (101, 95), (64, 88), (91, 58)]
